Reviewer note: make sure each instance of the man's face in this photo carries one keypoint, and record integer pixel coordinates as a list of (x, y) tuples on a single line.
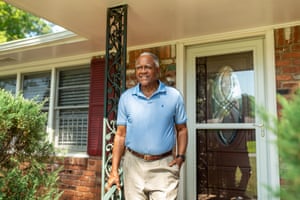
[(146, 72)]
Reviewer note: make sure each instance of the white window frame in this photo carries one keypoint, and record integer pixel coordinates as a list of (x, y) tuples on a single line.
[(78, 123)]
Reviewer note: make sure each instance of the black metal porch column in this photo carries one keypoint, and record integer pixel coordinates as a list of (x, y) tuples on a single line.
[(115, 84)]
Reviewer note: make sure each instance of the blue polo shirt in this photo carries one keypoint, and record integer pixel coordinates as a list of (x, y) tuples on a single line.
[(150, 121)]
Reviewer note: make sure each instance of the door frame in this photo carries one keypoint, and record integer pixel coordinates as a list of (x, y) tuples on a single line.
[(261, 42)]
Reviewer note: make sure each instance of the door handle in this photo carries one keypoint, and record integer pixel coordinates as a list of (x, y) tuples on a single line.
[(262, 128)]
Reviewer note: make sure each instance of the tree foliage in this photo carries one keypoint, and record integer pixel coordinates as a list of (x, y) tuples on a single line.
[(287, 128), (25, 152), (17, 24)]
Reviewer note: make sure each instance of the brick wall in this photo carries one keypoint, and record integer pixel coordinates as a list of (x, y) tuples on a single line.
[(287, 61), (287, 55), (80, 178)]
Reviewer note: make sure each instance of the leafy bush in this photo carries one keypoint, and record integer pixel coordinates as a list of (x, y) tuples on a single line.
[(25, 153), (287, 128)]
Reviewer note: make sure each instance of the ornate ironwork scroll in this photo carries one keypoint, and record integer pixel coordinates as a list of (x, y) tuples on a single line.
[(201, 117), (201, 92), (109, 130), (115, 60), (115, 84)]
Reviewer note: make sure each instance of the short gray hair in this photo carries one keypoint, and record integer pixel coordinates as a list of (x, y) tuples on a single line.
[(155, 58)]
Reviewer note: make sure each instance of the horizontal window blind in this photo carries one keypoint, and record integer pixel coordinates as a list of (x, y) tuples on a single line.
[(8, 83), (73, 87), (37, 86)]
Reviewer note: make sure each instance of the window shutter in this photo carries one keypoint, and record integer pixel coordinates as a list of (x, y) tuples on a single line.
[(96, 106)]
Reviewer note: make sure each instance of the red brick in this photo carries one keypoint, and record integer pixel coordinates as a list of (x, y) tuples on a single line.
[(69, 177), (84, 178), (67, 195), (279, 38), (72, 171), (65, 187), (75, 167), (94, 165), (291, 55), (286, 62), (89, 173), (296, 34), (83, 189), (295, 47), (296, 61), (88, 196), (69, 173), (289, 70), (75, 161), (68, 181), (290, 84), (283, 77), (165, 52), (88, 183)]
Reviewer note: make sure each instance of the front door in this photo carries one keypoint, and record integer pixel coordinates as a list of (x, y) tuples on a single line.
[(226, 135)]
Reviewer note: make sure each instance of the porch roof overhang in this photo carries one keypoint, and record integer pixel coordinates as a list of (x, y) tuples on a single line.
[(149, 22)]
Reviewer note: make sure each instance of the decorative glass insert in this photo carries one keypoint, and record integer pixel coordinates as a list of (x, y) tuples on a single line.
[(225, 88)]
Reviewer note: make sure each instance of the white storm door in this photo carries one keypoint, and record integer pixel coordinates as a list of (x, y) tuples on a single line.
[(228, 151)]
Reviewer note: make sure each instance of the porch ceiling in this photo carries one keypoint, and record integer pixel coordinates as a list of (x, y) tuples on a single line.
[(148, 22)]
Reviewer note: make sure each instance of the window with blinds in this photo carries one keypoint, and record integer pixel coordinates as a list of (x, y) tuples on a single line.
[(8, 83), (37, 87), (72, 109)]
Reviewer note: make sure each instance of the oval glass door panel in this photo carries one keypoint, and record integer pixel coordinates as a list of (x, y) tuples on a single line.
[(225, 88)]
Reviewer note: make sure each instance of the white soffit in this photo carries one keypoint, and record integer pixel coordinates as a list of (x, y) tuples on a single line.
[(63, 37)]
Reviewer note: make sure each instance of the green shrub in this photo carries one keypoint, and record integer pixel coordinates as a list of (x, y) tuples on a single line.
[(287, 128), (25, 153)]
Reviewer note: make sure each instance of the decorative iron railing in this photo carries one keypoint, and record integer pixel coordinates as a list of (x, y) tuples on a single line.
[(109, 130), (115, 84)]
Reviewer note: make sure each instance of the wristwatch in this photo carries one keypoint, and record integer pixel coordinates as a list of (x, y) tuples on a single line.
[(181, 156)]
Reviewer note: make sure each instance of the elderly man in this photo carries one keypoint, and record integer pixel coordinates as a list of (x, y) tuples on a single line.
[(151, 121)]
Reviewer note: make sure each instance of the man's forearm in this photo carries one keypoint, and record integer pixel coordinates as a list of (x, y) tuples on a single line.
[(182, 140), (118, 151)]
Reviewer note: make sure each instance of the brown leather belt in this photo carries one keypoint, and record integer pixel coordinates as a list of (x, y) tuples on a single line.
[(150, 157)]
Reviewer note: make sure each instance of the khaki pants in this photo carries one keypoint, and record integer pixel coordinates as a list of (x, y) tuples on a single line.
[(150, 180)]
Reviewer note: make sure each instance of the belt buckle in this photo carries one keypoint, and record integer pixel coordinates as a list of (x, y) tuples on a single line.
[(147, 157)]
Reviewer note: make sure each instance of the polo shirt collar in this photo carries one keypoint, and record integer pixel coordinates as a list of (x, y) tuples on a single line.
[(161, 89)]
